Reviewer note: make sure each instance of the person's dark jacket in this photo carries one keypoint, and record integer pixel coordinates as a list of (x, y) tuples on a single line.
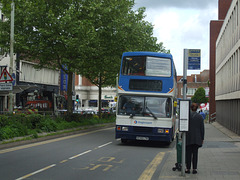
[(195, 135)]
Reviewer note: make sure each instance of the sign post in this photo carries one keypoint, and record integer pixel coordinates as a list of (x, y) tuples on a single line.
[(192, 61)]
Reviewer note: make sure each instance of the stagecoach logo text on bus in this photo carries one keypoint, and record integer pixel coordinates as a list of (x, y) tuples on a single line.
[(141, 122)]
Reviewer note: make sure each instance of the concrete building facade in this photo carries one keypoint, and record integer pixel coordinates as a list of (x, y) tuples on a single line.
[(227, 62), (88, 94)]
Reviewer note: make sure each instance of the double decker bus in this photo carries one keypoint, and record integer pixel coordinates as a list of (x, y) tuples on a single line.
[(146, 97)]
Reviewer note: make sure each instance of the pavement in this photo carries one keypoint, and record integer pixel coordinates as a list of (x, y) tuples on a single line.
[(219, 158)]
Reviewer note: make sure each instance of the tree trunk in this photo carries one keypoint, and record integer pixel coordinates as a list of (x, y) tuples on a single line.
[(100, 97)]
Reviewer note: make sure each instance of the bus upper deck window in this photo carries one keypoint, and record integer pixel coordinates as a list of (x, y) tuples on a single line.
[(158, 67), (134, 66)]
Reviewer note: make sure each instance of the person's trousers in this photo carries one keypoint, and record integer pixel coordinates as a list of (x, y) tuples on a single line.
[(192, 155)]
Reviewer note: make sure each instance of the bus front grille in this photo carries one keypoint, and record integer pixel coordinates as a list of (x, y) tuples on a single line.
[(142, 129)]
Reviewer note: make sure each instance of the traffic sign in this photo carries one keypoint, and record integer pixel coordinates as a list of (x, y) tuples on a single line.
[(5, 86), (5, 76)]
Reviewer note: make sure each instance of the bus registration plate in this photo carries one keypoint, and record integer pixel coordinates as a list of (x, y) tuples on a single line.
[(142, 138)]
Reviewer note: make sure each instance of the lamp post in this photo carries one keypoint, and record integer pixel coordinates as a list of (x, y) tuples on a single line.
[(11, 54)]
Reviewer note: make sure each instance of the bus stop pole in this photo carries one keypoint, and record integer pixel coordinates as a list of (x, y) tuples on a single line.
[(185, 61)]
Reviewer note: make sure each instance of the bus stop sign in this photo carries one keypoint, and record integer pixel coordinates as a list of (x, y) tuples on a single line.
[(194, 59), (184, 115)]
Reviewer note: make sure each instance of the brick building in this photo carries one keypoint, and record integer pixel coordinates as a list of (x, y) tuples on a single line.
[(215, 27), (193, 83)]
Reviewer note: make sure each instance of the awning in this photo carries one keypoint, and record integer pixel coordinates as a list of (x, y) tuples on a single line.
[(19, 88)]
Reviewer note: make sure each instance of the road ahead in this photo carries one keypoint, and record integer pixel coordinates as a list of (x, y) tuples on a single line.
[(91, 156)]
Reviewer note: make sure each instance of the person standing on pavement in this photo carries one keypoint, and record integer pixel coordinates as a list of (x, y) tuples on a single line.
[(194, 138), (202, 114)]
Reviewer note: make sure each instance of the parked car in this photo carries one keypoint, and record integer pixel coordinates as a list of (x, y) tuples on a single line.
[(104, 111), (79, 111), (89, 111)]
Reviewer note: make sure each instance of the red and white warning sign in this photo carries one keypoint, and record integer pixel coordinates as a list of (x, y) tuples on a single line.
[(5, 76)]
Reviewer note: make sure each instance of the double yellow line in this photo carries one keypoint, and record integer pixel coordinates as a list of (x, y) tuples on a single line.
[(151, 168)]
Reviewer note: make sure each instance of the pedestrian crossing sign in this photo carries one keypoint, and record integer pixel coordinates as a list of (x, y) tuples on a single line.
[(5, 76)]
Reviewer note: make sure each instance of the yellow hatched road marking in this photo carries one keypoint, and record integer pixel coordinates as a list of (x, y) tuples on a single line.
[(149, 171)]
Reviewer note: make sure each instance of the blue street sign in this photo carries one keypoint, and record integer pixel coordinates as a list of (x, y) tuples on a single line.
[(194, 59), (64, 80)]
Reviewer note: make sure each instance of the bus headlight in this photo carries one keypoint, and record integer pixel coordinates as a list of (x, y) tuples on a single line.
[(160, 131), (124, 128)]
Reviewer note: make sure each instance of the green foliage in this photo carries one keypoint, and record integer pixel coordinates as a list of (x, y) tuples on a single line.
[(34, 134), (199, 96), (88, 37), (3, 121), (30, 125), (33, 120), (47, 125), (6, 133)]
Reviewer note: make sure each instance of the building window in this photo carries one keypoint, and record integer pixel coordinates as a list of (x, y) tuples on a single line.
[(93, 103), (190, 91), (105, 103)]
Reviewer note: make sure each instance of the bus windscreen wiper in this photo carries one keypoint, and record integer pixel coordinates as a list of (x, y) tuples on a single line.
[(151, 112)]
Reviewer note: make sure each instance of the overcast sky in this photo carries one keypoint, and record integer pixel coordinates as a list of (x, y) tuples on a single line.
[(182, 24)]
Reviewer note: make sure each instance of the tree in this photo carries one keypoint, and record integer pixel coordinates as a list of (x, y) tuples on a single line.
[(199, 96), (86, 36), (119, 29), (55, 33)]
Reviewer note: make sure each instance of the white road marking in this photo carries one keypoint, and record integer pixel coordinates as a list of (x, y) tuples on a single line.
[(50, 141), (38, 171), (104, 144), (80, 154)]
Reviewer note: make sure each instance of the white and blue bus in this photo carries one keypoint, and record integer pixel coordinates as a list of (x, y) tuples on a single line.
[(146, 95)]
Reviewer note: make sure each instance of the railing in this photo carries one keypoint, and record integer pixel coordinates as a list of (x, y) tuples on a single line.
[(212, 117), (50, 113)]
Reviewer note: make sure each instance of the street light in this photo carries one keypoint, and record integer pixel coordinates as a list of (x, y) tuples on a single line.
[(11, 54)]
